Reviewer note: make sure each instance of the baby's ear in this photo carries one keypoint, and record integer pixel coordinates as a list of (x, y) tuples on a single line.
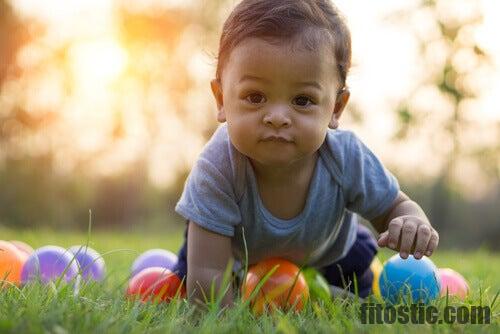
[(340, 103), (216, 86)]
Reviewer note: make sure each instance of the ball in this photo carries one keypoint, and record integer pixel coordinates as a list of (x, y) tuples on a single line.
[(11, 264), (90, 262), (319, 289), (409, 280), (50, 263), (155, 284), (154, 258), (23, 247), (453, 284), (376, 268), (285, 288)]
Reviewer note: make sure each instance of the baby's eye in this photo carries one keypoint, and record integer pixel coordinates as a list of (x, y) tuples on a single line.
[(302, 101), (256, 98)]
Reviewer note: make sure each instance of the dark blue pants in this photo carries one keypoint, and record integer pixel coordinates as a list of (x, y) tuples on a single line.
[(341, 273)]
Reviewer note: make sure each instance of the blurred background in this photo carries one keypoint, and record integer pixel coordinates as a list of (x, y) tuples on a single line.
[(105, 105)]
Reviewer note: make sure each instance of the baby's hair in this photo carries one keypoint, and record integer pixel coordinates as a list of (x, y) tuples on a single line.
[(316, 22)]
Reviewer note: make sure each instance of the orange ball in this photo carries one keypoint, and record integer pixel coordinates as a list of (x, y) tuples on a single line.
[(11, 263), (286, 287), (23, 247)]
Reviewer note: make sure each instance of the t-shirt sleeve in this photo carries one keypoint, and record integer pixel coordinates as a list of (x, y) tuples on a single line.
[(369, 187), (208, 198)]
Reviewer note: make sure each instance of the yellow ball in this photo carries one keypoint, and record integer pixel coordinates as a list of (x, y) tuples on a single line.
[(376, 267)]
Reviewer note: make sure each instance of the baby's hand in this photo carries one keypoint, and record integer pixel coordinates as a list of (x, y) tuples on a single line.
[(410, 235)]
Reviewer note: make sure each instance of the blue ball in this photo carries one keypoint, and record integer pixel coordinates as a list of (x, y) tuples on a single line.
[(410, 280)]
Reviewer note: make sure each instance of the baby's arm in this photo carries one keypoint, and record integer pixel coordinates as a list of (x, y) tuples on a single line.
[(207, 258), (405, 228)]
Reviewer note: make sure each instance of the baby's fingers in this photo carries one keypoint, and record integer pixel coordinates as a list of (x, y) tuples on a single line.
[(408, 235), (383, 239), (423, 237), (432, 243), (394, 233)]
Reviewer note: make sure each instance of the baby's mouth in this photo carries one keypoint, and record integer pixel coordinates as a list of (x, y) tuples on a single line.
[(277, 139)]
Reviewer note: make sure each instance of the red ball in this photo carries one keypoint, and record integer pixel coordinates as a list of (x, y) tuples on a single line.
[(286, 288), (155, 284)]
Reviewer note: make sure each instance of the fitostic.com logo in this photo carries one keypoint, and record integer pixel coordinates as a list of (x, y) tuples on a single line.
[(420, 313)]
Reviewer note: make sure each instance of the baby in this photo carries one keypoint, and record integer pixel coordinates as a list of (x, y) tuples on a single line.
[(278, 178)]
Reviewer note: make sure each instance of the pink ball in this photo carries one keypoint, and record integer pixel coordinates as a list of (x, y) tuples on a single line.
[(453, 283)]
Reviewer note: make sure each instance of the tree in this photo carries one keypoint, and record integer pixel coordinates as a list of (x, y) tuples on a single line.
[(453, 61)]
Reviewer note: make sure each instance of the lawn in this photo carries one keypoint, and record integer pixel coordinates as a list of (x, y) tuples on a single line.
[(102, 308)]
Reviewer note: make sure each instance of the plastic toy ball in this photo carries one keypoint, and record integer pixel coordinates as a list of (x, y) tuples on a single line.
[(154, 258), (11, 264), (90, 262), (155, 284), (285, 288), (376, 268), (50, 263), (319, 289), (23, 247), (453, 284), (410, 280)]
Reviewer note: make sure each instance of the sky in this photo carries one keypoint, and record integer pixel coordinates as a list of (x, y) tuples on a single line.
[(387, 67)]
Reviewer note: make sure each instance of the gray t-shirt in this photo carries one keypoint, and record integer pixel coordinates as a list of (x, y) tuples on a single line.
[(221, 195)]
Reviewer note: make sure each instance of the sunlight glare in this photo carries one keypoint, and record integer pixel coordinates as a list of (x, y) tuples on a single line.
[(97, 63)]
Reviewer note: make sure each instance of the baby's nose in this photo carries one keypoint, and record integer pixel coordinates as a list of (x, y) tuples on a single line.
[(277, 116)]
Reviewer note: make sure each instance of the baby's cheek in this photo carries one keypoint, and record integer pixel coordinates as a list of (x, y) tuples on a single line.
[(313, 138), (241, 137)]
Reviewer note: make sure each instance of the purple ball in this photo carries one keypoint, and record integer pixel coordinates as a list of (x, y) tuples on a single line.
[(154, 258), (90, 262), (49, 263)]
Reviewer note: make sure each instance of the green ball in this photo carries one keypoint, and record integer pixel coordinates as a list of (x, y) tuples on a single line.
[(319, 289)]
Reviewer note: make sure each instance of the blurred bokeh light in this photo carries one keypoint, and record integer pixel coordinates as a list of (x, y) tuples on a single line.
[(120, 89)]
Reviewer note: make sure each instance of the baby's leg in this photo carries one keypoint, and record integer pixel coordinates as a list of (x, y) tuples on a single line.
[(356, 263), (181, 266)]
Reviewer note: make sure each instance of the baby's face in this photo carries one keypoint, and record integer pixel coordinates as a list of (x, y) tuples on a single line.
[(271, 90)]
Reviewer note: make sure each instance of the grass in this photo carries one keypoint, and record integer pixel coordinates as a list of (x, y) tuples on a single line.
[(102, 308)]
